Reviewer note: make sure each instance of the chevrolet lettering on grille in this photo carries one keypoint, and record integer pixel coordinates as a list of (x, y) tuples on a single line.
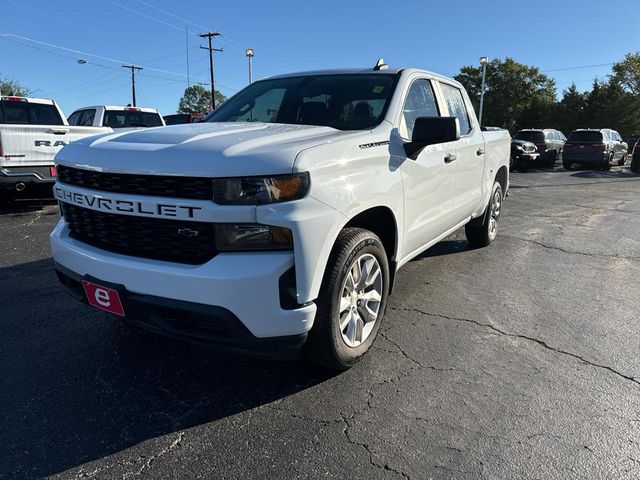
[(129, 207)]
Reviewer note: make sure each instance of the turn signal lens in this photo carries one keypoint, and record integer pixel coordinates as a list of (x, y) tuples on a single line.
[(235, 237)]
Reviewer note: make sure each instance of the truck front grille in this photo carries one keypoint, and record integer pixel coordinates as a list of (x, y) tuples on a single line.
[(198, 188), (169, 240)]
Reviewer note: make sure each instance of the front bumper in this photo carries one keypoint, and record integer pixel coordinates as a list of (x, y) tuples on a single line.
[(208, 325), (244, 284)]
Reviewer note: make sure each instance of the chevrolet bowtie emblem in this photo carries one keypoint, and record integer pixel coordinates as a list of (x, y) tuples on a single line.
[(187, 232)]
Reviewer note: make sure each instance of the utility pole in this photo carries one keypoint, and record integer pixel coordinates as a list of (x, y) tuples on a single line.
[(133, 81), (209, 36)]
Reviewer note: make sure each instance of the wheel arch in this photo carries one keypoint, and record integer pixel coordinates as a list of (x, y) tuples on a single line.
[(382, 221)]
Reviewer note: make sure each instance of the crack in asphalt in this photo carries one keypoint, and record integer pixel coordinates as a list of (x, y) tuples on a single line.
[(175, 444), (572, 252), (384, 466), (542, 343)]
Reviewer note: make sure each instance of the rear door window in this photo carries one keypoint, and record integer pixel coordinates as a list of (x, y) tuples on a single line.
[(457, 107), (420, 102)]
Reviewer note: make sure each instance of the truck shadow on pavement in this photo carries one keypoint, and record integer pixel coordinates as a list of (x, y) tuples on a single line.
[(77, 385), (25, 205)]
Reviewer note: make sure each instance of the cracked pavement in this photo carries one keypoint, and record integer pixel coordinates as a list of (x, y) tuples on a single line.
[(519, 360)]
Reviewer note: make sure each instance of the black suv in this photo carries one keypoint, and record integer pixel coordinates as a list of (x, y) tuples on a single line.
[(635, 159), (548, 141), (596, 146)]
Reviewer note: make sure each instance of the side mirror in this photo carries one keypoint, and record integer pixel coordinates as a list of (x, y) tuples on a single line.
[(431, 131)]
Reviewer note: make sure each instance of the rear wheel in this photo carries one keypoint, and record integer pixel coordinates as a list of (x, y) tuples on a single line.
[(483, 230), (609, 163), (352, 300), (635, 167), (623, 160), (567, 164)]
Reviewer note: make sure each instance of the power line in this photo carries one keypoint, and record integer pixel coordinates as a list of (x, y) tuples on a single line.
[(11, 37), (224, 39), (578, 68), (144, 15)]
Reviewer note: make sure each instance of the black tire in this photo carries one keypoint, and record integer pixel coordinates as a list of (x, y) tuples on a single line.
[(623, 160), (566, 164), (326, 345), (608, 164), (635, 167), (480, 232), (551, 162)]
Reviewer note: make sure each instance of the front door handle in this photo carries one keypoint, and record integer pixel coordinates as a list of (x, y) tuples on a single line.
[(451, 157), (480, 151)]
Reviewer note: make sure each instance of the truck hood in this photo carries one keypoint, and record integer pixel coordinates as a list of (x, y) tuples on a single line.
[(201, 149)]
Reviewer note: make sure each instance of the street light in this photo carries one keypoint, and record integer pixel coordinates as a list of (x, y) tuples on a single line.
[(483, 62), (250, 54)]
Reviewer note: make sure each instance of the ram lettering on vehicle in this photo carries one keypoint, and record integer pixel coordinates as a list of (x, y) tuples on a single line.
[(47, 143), (124, 206)]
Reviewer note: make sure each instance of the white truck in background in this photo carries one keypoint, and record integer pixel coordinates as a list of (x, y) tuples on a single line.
[(277, 225), (32, 131), (116, 117)]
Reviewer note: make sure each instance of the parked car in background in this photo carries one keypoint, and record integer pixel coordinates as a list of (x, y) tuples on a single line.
[(601, 147), (631, 140), (32, 131), (283, 233), (116, 117), (180, 118), (635, 157), (549, 143), (523, 154)]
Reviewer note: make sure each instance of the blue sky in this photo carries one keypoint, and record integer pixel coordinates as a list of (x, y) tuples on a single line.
[(293, 36)]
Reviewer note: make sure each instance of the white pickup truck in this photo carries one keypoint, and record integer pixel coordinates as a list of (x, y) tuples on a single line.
[(32, 131), (279, 223), (116, 117)]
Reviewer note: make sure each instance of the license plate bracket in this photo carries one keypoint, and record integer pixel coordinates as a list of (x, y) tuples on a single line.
[(104, 296)]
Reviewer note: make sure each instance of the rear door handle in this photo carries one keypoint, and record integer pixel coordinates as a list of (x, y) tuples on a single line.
[(480, 151), (451, 157)]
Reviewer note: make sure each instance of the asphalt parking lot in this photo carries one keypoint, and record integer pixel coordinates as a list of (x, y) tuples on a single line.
[(515, 361)]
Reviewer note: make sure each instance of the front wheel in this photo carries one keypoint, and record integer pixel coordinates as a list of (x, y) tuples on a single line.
[(352, 300), (483, 230)]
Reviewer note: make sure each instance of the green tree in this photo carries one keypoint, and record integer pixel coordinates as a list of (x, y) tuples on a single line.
[(197, 99), (570, 113), (12, 87), (627, 73), (517, 95)]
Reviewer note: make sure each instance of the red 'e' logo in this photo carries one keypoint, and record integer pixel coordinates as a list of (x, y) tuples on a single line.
[(104, 298)]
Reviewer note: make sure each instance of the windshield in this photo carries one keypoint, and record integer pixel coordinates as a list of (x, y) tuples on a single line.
[(26, 113), (130, 119), (530, 136), (342, 101), (585, 136)]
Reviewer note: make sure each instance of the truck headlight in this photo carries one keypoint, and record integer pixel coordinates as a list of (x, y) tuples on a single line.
[(260, 190), (252, 236)]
